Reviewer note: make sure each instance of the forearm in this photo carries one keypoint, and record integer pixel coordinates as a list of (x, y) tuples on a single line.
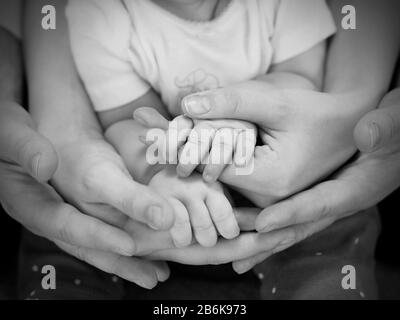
[(11, 70), (361, 62), (58, 101)]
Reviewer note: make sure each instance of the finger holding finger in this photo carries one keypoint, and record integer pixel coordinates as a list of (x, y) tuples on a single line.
[(220, 155), (178, 132), (240, 101), (245, 146), (196, 149)]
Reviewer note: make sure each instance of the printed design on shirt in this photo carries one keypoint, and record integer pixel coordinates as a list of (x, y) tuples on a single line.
[(196, 81)]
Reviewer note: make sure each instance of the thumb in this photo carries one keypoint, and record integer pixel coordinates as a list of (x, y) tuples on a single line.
[(22, 144), (253, 101), (379, 127)]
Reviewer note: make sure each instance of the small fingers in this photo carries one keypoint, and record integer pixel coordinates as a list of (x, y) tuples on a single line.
[(151, 118), (222, 215), (220, 155), (196, 148), (245, 146), (181, 232), (203, 228)]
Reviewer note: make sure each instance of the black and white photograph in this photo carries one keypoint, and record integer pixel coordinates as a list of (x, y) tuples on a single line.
[(210, 155)]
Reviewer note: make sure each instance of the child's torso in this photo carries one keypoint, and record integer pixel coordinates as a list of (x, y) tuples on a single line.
[(178, 57)]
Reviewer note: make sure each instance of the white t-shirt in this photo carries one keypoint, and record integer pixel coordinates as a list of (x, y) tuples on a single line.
[(123, 48)]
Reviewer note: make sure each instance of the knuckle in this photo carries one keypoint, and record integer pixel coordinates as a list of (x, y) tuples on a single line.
[(203, 227), (222, 217)]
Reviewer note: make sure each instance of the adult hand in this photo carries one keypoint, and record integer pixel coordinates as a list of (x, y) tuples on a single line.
[(360, 185), (27, 160), (307, 135), (354, 183), (93, 177)]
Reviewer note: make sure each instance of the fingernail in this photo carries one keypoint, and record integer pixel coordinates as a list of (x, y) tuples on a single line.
[(208, 178), (196, 105), (35, 164), (153, 214), (148, 286), (374, 134), (243, 267)]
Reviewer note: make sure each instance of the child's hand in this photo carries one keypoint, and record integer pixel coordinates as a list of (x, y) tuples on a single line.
[(216, 143), (199, 206)]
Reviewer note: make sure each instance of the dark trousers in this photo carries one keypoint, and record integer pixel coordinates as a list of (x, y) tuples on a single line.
[(310, 270)]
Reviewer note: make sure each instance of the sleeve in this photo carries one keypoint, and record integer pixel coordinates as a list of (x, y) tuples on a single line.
[(100, 38), (299, 26)]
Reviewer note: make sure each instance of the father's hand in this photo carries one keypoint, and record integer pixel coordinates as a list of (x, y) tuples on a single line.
[(27, 160), (307, 135), (360, 185)]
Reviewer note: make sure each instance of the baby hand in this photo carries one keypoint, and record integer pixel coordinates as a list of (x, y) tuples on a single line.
[(199, 207), (216, 143)]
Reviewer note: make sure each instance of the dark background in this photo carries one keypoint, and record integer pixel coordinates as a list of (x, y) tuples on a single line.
[(387, 253)]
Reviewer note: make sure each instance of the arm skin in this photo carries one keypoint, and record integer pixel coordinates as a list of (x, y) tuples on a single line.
[(361, 62)]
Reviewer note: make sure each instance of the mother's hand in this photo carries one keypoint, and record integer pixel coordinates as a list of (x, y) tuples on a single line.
[(27, 161), (361, 184), (307, 135), (358, 186)]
